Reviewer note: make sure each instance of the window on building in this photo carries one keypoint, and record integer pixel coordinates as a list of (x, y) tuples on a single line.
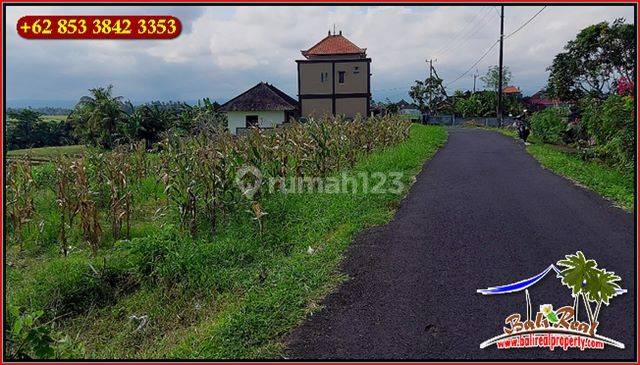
[(324, 76), (356, 70), (341, 77), (251, 121)]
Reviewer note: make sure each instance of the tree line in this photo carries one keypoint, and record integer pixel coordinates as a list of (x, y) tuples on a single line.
[(594, 73), (105, 120)]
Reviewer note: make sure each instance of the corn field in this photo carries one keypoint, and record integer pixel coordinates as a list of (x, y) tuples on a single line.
[(96, 195)]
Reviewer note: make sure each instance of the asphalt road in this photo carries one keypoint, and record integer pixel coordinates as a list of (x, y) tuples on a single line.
[(481, 213)]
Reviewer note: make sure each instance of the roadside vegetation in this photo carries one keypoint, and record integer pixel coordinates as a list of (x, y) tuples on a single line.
[(589, 133), (157, 252), (612, 181)]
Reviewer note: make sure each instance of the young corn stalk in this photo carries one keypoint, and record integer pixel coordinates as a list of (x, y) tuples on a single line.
[(117, 170), (66, 200), (179, 176), (87, 207), (20, 190)]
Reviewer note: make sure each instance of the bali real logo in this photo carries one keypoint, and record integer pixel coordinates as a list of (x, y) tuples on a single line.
[(591, 287)]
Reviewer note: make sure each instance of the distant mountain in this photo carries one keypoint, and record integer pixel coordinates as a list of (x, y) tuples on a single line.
[(47, 110), (33, 104)]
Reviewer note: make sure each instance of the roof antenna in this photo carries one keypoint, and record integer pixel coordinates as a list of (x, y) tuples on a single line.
[(334, 28)]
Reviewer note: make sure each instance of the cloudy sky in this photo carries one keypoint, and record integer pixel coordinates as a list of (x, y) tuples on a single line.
[(224, 50)]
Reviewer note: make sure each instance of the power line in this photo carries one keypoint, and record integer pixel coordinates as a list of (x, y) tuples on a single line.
[(469, 25), (475, 63), (452, 46), (493, 46), (525, 23)]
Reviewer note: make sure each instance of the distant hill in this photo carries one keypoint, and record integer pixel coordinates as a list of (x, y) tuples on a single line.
[(47, 110)]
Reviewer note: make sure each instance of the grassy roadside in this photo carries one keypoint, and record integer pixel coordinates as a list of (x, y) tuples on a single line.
[(233, 296), (611, 183)]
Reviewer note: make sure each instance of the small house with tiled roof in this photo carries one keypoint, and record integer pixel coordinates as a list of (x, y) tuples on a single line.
[(512, 91), (334, 79), (262, 106)]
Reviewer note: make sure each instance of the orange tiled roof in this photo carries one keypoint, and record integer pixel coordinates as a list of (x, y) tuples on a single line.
[(333, 45), (511, 90)]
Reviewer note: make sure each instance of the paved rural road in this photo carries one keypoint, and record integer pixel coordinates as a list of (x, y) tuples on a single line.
[(482, 213)]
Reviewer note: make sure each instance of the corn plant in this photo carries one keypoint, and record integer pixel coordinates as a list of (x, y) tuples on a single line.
[(179, 169), (87, 207), (116, 169), (20, 190), (67, 200)]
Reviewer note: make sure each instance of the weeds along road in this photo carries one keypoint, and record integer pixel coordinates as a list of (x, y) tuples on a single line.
[(482, 213)]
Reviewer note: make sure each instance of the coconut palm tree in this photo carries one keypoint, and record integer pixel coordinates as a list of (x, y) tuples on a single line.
[(96, 117), (601, 288), (586, 280), (577, 274)]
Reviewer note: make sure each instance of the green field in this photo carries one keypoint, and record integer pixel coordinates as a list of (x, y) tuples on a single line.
[(57, 118), (233, 295), (47, 152)]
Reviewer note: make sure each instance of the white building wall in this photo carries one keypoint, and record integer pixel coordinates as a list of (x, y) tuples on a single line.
[(266, 119)]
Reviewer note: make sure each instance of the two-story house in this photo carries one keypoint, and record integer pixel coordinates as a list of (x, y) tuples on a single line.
[(334, 79)]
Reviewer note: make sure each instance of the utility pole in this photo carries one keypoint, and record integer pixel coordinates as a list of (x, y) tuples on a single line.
[(430, 75), (499, 111), (475, 75), (430, 88)]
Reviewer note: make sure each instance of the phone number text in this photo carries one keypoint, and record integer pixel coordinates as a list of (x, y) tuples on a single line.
[(99, 27)]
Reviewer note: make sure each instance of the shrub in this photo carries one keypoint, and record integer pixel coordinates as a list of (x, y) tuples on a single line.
[(550, 124), (612, 126), (28, 338), (73, 284)]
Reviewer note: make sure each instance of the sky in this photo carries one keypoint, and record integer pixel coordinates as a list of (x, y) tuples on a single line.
[(224, 50)]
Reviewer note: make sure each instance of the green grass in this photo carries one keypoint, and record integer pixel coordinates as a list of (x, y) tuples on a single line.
[(47, 152), (231, 296), (606, 181), (609, 182)]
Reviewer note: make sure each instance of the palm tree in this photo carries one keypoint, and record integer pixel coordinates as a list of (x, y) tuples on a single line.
[(587, 281), (576, 276), (96, 117), (601, 288)]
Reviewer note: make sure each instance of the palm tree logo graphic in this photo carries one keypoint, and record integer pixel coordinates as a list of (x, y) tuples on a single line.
[(589, 284)]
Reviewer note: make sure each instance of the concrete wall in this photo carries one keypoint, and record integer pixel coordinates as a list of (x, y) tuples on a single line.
[(351, 107), (316, 108), (266, 119), (355, 77), (317, 81), (311, 79)]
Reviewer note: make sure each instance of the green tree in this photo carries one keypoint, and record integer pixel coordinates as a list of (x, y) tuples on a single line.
[(612, 126), (575, 275), (492, 77), (21, 126), (97, 117), (391, 107), (601, 287), (429, 95), (589, 282), (550, 124), (593, 62)]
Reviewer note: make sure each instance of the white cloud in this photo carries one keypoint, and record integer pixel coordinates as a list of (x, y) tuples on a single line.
[(224, 50)]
